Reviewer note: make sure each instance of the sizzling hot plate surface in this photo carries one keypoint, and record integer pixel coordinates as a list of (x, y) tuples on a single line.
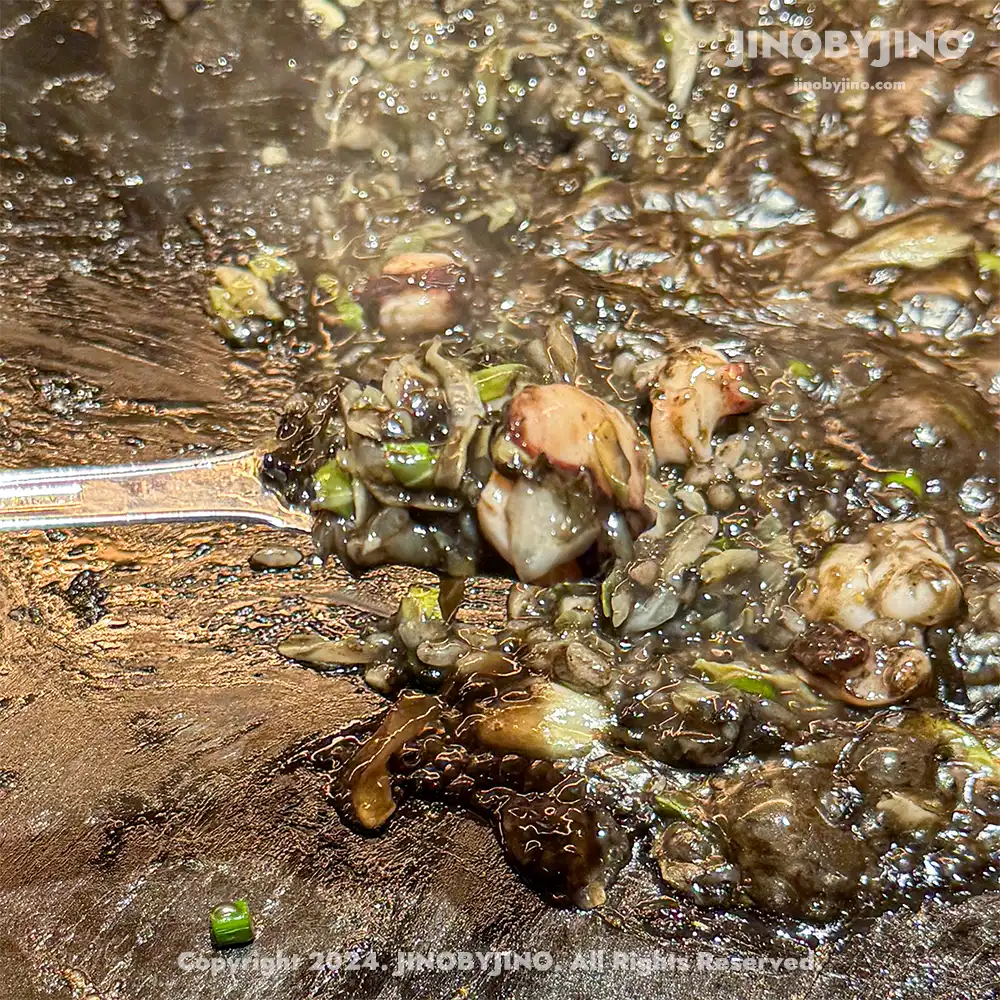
[(146, 722)]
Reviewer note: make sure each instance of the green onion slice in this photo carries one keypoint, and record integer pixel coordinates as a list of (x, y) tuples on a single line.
[(421, 604), (332, 489), (909, 479), (411, 462), (495, 381), (231, 924), (742, 678)]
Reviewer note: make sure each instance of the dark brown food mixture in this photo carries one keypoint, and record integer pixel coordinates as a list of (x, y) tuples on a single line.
[(86, 598), (707, 361)]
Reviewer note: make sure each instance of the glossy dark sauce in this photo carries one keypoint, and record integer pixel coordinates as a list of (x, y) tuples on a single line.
[(597, 225)]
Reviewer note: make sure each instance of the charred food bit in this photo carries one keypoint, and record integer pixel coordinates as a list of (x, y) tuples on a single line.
[(794, 858), (693, 862)]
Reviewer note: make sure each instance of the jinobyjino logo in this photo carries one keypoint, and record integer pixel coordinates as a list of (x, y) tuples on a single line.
[(878, 47)]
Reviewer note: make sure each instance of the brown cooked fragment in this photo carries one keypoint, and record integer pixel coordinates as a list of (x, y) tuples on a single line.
[(845, 666), (829, 651), (416, 295), (572, 851), (367, 779)]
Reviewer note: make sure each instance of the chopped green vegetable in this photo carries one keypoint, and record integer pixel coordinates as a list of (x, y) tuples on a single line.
[(405, 243), (966, 746), (606, 588), (738, 676), (988, 261), (411, 462), (347, 310), (241, 293), (421, 604), (328, 284), (752, 685), (596, 183), (222, 304), (677, 805), (499, 213), (350, 312), (268, 266), (722, 544), (495, 381), (230, 924), (962, 744), (332, 489), (801, 370), (909, 479)]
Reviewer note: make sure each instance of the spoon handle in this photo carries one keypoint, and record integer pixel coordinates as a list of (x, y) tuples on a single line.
[(222, 487)]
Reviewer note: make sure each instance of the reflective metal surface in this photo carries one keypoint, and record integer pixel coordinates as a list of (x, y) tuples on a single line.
[(148, 728), (222, 487)]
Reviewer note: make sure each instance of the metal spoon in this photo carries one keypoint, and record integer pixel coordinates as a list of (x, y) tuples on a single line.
[(223, 487), (207, 488)]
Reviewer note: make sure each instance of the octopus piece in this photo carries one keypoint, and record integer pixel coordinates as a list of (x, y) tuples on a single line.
[(896, 577), (898, 572), (581, 434), (885, 761), (536, 525), (542, 523), (416, 295), (690, 396)]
